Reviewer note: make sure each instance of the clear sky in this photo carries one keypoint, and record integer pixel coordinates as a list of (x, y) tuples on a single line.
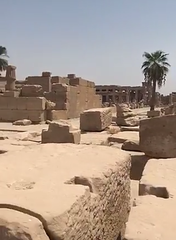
[(99, 40)]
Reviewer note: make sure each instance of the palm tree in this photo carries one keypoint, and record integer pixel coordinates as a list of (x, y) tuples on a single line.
[(3, 61), (155, 69)]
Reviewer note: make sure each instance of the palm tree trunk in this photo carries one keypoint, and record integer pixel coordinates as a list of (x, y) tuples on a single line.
[(153, 99)]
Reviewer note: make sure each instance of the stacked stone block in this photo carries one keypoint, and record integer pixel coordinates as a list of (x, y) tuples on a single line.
[(13, 109)]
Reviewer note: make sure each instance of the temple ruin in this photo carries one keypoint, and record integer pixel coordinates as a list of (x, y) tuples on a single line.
[(28, 99), (123, 94)]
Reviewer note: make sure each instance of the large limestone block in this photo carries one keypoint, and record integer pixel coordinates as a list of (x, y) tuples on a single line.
[(15, 225), (61, 132), (152, 218), (158, 178), (31, 91), (158, 136), (97, 119), (73, 194)]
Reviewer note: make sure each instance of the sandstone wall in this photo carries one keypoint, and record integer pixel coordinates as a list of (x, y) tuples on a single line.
[(16, 108)]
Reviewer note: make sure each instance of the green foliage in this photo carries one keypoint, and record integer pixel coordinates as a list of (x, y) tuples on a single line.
[(155, 69), (3, 60)]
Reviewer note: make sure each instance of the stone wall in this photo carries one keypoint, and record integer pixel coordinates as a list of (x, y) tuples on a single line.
[(16, 108), (70, 94)]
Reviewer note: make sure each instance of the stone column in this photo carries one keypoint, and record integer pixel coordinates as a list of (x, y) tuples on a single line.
[(128, 96), (10, 78), (136, 95)]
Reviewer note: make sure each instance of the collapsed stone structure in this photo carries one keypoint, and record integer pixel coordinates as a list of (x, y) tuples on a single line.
[(123, 94), (61, 132), (71, 96), (125, 116)]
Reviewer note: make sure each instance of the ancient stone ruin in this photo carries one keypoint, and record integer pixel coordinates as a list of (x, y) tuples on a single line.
[(28, 99)]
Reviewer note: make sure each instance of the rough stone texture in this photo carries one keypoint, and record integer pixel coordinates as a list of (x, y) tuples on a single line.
[(125, 116), (123, 128), (130, 121), (113, 129), (159, 178), (121, 137), (95, 119), (15, 225), (152, 218), (31, 91), (71, 194), (154, 113), (13, 109), (131, 145), (23, 122), (158, 136), (61, 132), (170, 109)]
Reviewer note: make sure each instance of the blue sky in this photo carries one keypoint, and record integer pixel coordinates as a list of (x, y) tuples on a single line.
[(99, 40)]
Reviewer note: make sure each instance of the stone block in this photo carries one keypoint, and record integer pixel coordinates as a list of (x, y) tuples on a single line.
[(78, 81), (54, 115), (36, 103), (46, 74), (11, 94), (153, 113), (23, 122), (61, 132), (21, 103), (59, 87), (71, 76), (31, 91), (95, 119), (3, 103), (18, 225), (11, 103), (36, 116), (79, 192), (158, 136), (57, 79)]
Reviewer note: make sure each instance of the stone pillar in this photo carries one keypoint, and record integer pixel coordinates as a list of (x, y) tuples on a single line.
[(136, 95), (10, 78), (128, 96)]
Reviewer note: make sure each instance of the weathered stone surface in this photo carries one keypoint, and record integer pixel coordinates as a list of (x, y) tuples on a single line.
[(73, 195), (154, 113), (159, 178), (15, 225), (23, 122), (113, 129), (121, 137), (31, 91), (61, 132), (158, 136), (135, 129), (170, 109), (125, 116), (50, 105), (129, 121), (152, 218), (131, 145), (96, 119)]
